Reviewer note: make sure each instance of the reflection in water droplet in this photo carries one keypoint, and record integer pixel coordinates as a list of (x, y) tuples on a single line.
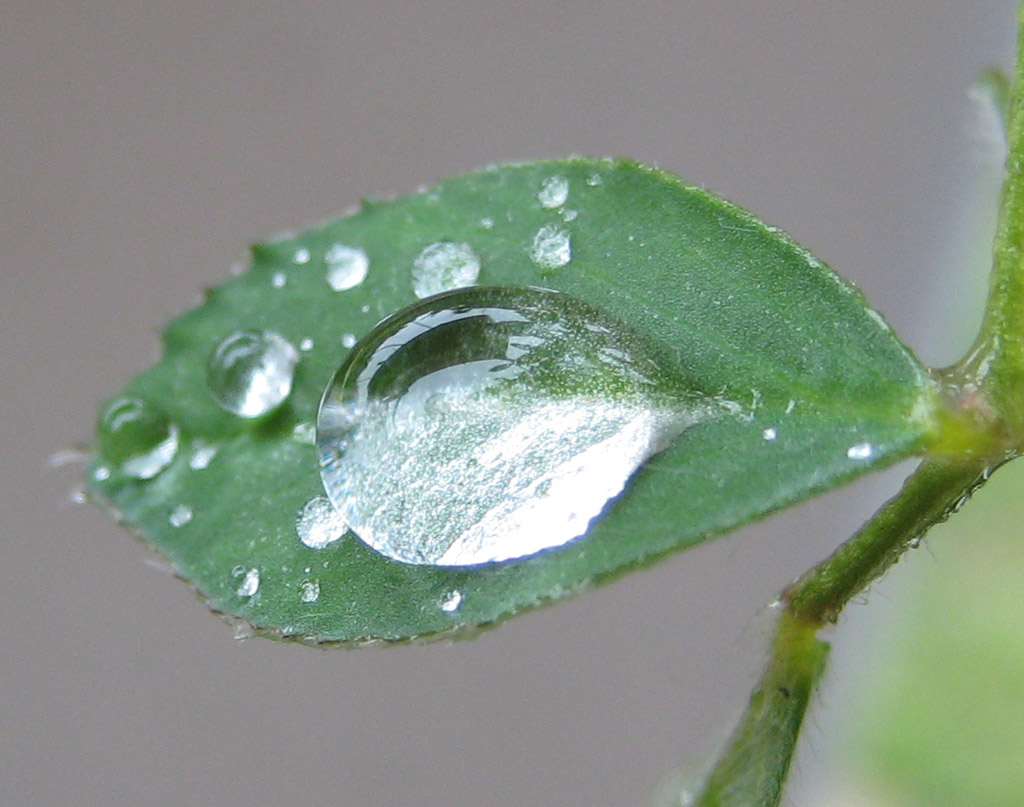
[(250, 583), (551, 247), (318, 523), (310, 591), (348, 340), (180, 515), (553, 192), (137, 437), (444, 266), (346, 267), (451, 603), (301, 256), (860, 451), (250, 372), (507, 393), (202, 455)]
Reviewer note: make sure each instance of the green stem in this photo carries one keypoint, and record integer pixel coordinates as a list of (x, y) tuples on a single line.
[(934, 491), (751, 770), (996, 364)]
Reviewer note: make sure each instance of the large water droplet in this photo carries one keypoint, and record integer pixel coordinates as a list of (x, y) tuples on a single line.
[(318, 523), (553, 192), (551, 247), (346, 267), (444, 266), (489, 424), (138, 437), (250, 372)]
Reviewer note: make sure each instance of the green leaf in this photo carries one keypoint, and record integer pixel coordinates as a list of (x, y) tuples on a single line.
[(810, 387)]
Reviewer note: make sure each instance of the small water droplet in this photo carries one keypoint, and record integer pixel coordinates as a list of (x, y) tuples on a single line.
[(138, 437), (487, 223), (180, 515), (594, 180), (769, 434), (553, 192), (101, 474), (202, 455), (318, 523), (304, 433), (310, 591), (301, 256), (348, 340), (860, 451), (306, 345), (504, 392), (570, 215), (77, 496), (250, 372), (346, 267), (551, 247), (278, 279), (250, 583), (443, 266), (450, 604)]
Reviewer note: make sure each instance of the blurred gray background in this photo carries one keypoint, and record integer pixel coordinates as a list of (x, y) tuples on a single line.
[(144, 145)]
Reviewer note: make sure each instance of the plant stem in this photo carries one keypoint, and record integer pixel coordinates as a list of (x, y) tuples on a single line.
[(753, 766), (996, 363), (987, 387)]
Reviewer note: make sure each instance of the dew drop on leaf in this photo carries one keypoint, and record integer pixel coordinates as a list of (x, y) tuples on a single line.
[(180, 515), (310, 591), (346, 267), (554, 192), (202, 455), (450, 604), (443, 266), (137, 437), (318, 523), (551, 247), (250, 583), (490, 423), (250, 372)]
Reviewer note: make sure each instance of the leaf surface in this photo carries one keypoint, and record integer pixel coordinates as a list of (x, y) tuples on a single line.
[(811, 385)]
